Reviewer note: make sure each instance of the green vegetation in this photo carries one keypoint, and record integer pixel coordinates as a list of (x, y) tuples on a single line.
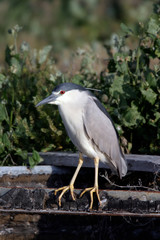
[(130, 87)]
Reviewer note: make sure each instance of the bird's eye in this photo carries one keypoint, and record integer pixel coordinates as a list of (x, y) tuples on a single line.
[(62, 92)]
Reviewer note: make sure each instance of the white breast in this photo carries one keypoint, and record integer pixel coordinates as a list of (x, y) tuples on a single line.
[(72, 116)]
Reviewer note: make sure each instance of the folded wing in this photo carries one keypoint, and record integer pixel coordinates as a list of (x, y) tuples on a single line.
[(100, 129)]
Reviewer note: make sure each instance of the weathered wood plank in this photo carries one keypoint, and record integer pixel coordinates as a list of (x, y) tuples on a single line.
[(53, 163), (144, 163), (37, 170), (113, 202), (61, 168), (38, 176)]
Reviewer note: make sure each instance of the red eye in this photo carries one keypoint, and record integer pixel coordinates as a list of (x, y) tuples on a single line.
[(62, 92)]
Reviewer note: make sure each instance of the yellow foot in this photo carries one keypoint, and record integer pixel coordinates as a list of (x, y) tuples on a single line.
[(64, 189), (92, 190)]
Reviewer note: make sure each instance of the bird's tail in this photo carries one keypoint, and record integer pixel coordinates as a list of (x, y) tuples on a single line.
[(123, 170)]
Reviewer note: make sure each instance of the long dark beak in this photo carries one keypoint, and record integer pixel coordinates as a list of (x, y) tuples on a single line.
[(49, 99)]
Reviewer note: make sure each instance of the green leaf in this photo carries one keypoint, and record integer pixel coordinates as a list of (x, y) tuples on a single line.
[(149, 95), (2, 79), (3, 113), (49, 148), (2, 148), (34, 159), (77, 78), (121, 60), (15, 66), (126, 29), (6, 141), (157, 116), (151, 80), (43, 54), (31, 162), (153, 27), (117, 86), (36, 156), (122, 67), (157, 52), (133, 116), (157, 45), (22, 153)]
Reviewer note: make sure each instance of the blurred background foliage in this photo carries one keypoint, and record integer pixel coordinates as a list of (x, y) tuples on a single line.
[(68, 24), (111, 45)]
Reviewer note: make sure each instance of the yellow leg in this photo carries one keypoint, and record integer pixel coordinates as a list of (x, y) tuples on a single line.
[(95, 188), (71, 185)]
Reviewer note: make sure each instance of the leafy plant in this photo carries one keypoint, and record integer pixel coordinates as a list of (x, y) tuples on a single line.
[(131, 84), (135, 88), (25, 81)]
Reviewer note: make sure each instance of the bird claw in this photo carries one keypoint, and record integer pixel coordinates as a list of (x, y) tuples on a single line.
[(92, 190), (64, 189)]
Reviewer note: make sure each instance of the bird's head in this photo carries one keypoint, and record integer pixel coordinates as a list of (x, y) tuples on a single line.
[(65, 92)]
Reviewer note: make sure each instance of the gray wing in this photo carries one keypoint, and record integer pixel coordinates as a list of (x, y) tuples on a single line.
[(101, 131)]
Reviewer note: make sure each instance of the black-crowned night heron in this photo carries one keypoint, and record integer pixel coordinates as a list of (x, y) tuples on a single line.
[(91, 130)]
